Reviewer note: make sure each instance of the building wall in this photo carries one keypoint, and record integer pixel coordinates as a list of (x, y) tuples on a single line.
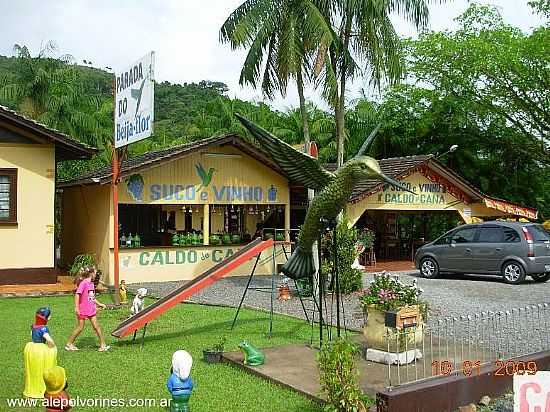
[(428, 196), (87, 223), (30, 243), (233, 180), (88, 215), (185, 263)]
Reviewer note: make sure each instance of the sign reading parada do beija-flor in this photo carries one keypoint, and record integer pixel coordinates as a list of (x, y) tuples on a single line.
[(134, 101)]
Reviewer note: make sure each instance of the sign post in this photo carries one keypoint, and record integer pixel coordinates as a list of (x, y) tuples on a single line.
[(134, 116)]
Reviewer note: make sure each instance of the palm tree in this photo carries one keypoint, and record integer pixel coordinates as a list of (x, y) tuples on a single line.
[(280, 36), (365, 43), (47, 89)]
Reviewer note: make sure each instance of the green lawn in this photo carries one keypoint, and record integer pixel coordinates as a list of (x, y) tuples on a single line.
[(126, 372)]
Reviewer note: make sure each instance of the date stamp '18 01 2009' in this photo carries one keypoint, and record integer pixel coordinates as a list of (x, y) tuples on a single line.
[(473, 367)]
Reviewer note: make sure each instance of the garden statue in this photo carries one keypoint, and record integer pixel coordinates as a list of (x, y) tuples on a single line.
[(137, 304), (55, 398), (39, 355), (180, 384), (122, 292), (332, 190), (252, 356)]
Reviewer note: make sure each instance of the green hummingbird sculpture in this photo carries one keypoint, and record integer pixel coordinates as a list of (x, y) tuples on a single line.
[(206, 178), (332, 190)]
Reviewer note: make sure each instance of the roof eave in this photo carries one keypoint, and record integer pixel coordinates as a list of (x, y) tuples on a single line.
[(65, 143)]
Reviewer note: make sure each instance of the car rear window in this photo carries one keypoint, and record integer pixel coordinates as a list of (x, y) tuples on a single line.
[(539, 233)]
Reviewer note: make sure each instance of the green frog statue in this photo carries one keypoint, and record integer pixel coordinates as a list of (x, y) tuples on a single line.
[(252, 355)]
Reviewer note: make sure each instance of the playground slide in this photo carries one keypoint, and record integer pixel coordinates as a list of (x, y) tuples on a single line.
[(213, 274)]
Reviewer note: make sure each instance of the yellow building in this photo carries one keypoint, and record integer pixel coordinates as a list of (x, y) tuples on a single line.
[(191, 206), (399, 218), (29, 153)]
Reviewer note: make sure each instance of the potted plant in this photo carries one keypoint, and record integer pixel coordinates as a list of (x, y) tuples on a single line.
[(366, 238), (226, 239), (386, 296), (80, 262), (214, 354), (195, 239), (236, 239)]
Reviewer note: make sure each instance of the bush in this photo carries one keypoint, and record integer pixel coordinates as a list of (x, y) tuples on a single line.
[(351, 280), (81, 261), (339, 377)]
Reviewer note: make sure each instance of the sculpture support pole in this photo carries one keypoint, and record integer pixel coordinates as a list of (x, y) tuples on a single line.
[(335, 273), (320, 293)]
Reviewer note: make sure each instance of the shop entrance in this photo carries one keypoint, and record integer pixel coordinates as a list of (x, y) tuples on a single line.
[(400, 233)]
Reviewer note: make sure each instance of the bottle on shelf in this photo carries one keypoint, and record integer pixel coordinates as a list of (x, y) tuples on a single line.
[(129, 241), (123, 241), (137, 240)]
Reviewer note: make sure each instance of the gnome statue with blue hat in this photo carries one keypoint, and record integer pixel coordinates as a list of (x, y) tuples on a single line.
[(180, 384)]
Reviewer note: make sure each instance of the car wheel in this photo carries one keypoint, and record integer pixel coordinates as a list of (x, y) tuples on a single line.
[(429, 268), (513, 273), (541, 277)]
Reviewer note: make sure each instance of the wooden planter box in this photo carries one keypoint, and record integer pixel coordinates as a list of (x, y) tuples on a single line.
[(394, 340)]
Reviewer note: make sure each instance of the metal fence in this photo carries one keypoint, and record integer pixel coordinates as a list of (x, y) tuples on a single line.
[(462, 345)]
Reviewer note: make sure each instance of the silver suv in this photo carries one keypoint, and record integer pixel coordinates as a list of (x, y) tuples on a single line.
[(513, 250)]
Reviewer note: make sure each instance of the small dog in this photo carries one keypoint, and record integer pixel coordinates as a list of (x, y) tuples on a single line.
[(137, 304)]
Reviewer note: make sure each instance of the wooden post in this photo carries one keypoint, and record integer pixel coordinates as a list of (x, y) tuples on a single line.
[(114, 187), (206, 225), (287, 221)]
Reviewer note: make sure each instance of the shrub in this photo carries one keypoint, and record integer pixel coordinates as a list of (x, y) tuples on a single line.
[(389, 293), (80, 262), (351, 280), (339, 377)]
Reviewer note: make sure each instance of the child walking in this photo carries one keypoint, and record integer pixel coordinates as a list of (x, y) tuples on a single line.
[(85, 306)]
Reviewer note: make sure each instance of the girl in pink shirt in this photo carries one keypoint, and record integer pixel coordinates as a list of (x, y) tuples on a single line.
[(85, 305)]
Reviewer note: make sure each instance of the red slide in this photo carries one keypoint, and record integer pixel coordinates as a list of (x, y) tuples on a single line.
[(213, 274)]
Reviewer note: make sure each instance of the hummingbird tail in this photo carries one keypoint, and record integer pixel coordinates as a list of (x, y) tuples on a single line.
[(300, 265)]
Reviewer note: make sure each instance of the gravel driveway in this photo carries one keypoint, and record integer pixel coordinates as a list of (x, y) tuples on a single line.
[(451, 295)]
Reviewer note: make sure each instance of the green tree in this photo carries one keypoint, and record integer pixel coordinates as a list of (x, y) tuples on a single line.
[(280, 36), (47, 89), (362, 41), (500, 71)]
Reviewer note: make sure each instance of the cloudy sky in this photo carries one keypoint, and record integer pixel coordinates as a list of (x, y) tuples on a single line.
[(183, 33)]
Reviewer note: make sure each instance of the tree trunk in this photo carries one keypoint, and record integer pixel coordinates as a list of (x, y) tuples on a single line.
[(339, 113), (341, 99), (303, 108)]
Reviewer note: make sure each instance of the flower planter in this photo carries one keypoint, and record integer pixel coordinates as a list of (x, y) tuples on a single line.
[(211, 356), (377, 336)]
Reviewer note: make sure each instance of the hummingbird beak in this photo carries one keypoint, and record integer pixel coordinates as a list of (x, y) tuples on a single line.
[(395, 183)]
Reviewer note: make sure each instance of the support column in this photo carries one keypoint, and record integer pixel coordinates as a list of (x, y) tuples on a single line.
[(206, 224), (287, 222)]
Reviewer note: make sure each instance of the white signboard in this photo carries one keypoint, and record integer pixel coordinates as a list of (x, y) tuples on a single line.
[(134, 102)]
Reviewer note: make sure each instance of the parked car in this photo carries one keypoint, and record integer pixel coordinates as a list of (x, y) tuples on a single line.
[(511, 249)]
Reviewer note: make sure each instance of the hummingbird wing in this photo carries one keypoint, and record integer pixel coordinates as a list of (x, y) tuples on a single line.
[(299, 167), (368, 141)]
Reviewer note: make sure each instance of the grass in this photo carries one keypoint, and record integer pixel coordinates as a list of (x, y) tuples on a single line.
[(128, 373)]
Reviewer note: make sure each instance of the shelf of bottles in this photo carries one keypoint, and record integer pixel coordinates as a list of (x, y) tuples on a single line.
[(130, 241), (227, 224)]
